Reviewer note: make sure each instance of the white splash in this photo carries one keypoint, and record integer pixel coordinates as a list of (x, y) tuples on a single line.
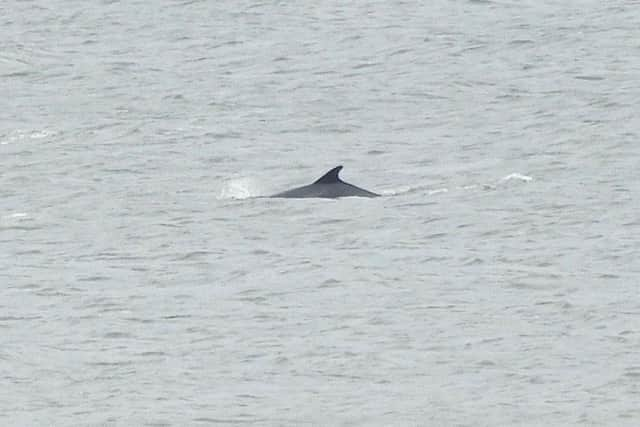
[(240, 188), (402, 190), (40, 134), (20, 135)]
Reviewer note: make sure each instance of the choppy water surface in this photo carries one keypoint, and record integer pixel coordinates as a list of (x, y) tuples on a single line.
[(143, 283)]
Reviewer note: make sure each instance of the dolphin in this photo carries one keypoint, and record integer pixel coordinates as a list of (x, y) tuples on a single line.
[(329, 186)]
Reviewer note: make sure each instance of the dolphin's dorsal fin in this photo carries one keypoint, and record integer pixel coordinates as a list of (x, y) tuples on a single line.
[(330, 177)]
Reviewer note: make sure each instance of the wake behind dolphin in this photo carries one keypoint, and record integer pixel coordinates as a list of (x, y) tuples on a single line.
[(329, 186)]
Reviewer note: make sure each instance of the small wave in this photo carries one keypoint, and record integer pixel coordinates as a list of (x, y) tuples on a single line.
[(516, 176), (438, 191), (17, 215)]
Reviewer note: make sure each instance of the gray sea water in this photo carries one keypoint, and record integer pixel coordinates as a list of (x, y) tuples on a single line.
[(143, 282)]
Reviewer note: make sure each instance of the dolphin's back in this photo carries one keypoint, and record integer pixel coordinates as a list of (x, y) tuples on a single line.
[(299, 192), (328, 186)]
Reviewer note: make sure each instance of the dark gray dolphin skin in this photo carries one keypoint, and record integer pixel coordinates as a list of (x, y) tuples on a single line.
[(329, 186)]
